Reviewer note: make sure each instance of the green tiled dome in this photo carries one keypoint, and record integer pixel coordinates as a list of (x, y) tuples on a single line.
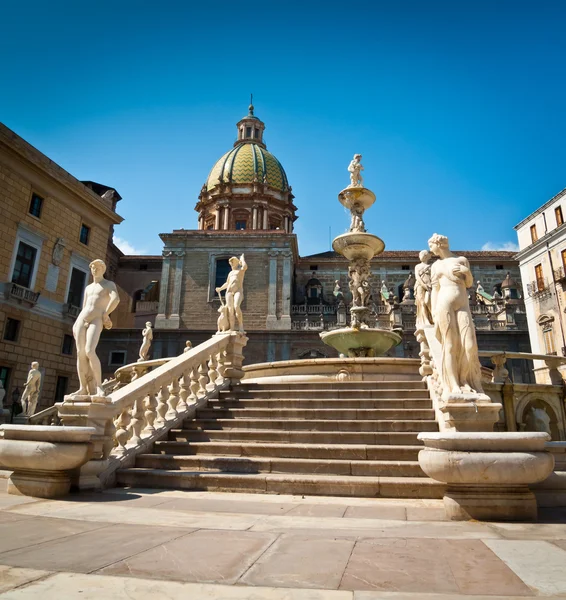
[(245, 160)]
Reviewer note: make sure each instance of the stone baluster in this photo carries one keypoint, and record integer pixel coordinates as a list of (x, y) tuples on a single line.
[(212, 373), (137, 422), (162, 405), (500, 373), (185, 385), (150, 404), (202, 379), (173, 400), (122, 434), (194, 385), (220, 368)]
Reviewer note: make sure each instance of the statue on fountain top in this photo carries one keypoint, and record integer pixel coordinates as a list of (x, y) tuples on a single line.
[(355, 168)]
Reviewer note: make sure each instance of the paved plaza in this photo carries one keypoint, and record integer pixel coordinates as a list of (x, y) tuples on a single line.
[(203, 545)]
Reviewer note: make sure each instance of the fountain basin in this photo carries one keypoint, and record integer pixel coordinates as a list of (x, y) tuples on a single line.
[(361, 196), (358, 245), (361, 342)]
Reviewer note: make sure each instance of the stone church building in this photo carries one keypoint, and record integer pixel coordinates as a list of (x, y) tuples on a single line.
[(246, 206), (53, 225)]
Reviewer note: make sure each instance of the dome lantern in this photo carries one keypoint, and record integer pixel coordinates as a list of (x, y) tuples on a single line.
[(247, 187)]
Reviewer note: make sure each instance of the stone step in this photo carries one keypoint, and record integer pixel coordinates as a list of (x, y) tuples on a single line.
[(290, 450), (256, 464), (394, 403), (274, 483), (393, 438), (335, 385), (315, 424), (333, 414), (345, 394)]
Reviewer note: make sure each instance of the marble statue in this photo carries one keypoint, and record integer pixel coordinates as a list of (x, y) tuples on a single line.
[(358, 273), (32, 387), (355, 168), (234, 287), (460, 370), (338, 294), (58, 250), (423, 288), (357, 224), (537, 419), (223, 319), (100, 299), (147, 334), (188, 346)]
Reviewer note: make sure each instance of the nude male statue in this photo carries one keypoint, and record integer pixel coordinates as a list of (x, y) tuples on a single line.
[(234, 287), (31, 391), (100, 299)]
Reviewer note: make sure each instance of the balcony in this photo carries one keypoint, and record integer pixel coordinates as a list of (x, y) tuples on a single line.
[(143, 306), (313, 309), (538, 289), (23, 294), (560, 275), (72, 311)]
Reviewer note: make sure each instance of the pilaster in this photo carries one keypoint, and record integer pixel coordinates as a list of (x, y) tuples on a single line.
[(271, 321), (286, 291), (164, 291)]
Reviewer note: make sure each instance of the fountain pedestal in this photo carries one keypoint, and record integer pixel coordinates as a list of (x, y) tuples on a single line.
[(359, 247)]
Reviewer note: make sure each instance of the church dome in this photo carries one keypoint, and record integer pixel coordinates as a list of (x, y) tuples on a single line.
[(248, 163)]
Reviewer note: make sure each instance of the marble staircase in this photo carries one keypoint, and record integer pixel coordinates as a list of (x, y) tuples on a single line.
[(349, 438)]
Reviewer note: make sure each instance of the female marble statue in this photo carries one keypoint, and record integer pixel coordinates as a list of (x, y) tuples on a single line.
[(146, 344), (423, 288), (460, 371)]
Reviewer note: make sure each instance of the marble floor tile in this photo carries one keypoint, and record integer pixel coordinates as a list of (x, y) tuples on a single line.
[(11, 577), (396, 513), (93, 550), (317, 510), (541, 565), (71, 586), (429, 566), (30, 532), (296, 562), (202, 556), (226, 506)]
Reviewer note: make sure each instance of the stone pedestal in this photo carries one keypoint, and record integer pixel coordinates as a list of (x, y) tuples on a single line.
[(487, 474), (469, 412), (234, 356), (43, 458)]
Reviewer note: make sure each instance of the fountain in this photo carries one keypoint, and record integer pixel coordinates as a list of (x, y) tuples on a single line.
[(359, 247)]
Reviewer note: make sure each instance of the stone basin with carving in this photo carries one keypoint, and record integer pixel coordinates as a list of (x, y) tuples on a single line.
[(361, 342), (358, 245)]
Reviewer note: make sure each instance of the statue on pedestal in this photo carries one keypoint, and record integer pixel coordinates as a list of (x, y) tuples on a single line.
[(234, 287), (460, 369), (188, 346), (147, 334), (355, 168), (32, 386), (100, 299)]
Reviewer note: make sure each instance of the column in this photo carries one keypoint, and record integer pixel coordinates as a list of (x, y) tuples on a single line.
[(271, 321), (286, 226), (254, 217), (226, 217), (286, 299), (175, 318), (217, 219), (164, 289), (265, 222)]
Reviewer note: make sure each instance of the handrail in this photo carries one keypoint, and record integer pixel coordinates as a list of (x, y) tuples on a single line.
[(47, 416), (131, 418), (522, 355)]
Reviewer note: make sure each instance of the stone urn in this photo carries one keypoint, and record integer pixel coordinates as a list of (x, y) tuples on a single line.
[(487, 474), (42, 458)]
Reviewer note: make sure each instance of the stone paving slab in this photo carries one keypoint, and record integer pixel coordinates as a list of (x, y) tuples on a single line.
[(11, 577)]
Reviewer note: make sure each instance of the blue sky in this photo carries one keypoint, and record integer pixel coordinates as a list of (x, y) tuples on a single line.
[(457, 107)]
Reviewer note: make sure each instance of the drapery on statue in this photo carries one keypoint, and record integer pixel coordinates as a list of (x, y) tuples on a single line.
[(460, 371), (423, 288), (234, 287), (355, 168), (100, 299), (31, 390), (146, 344)]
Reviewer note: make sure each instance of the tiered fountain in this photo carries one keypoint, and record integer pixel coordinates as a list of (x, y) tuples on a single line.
[(359, 247)]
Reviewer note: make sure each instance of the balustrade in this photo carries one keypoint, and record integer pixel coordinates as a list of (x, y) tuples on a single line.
[(135, 415)]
